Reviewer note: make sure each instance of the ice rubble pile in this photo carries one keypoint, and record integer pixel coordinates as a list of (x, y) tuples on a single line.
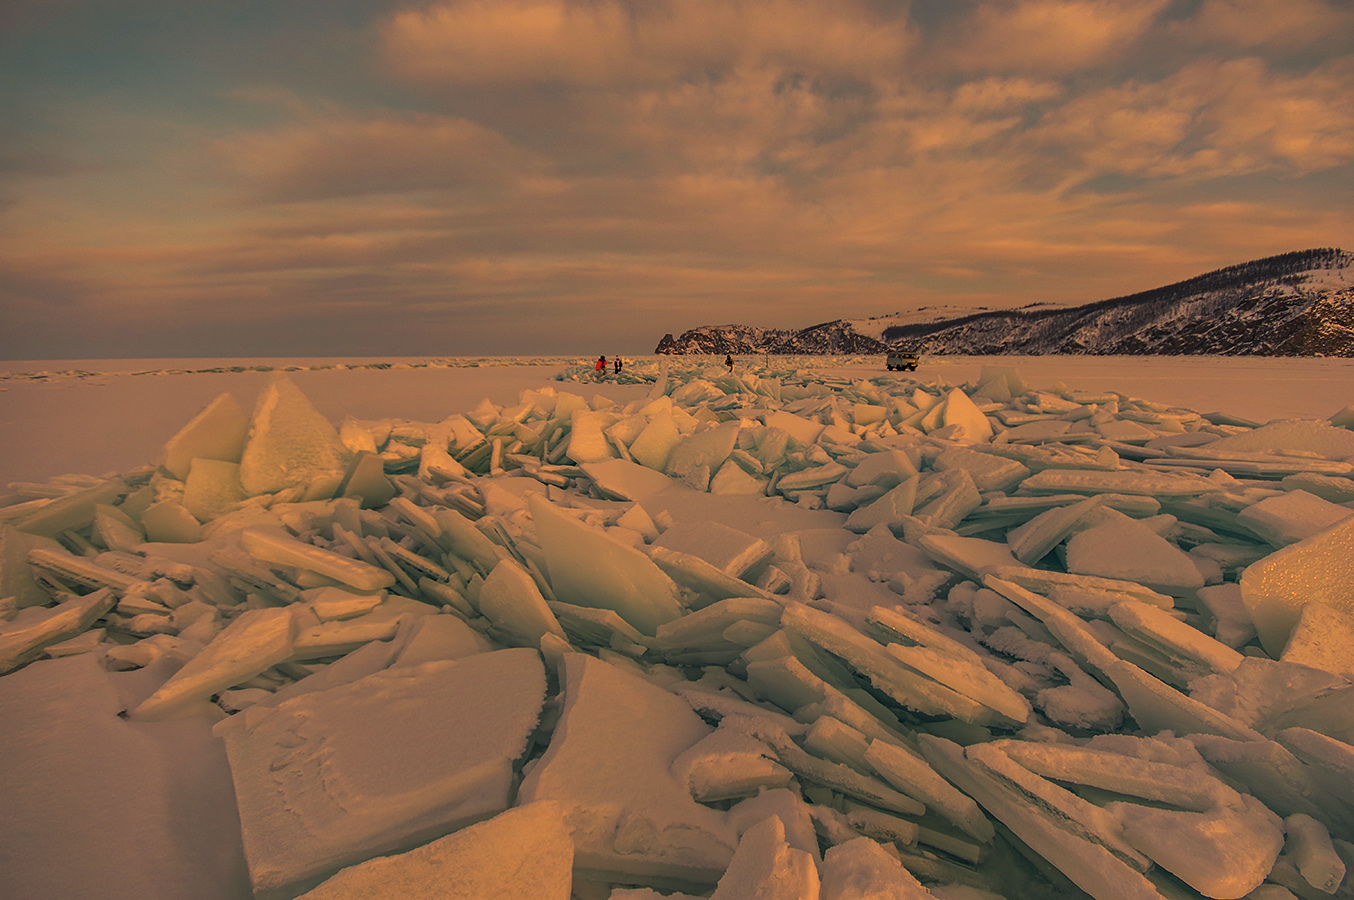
[(1038, 642)]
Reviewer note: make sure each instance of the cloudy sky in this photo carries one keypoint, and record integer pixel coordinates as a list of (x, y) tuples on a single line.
[(352, 177)]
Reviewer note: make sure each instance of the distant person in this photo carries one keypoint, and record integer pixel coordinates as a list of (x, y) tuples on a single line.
[(599, 370), (728, 361), (617, 365)]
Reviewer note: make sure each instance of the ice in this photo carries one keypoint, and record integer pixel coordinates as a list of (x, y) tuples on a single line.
[(655, 443), (316, 779), (1032, 541), (961, 411), (1089, 864), (1332, 760), (1320, 438), (736, 553), (280, 548), (587, 568), (732, 478), (72, 511), (609, 765), (986, 592), (885, 672), (170, 522), (706, 628), (510, 599), (211, 487), (890, 509), (254, 641), (23, 638), (587, 440), (1223, 854), (290, 444), (803, 430), (886, 468), (430, 638), (1164, 632), (765, 867), (216, 433), (1128, 550), (989, 472), (1309, 844), (522, 853), (697, 457), (911, 774), (861, 869), (626, 480), (365, 480), (1158, 707), (1316, 568), (971, 556), (1290, 517), (1231, 622), (727, 764), (1323, 638), (1088, 481)]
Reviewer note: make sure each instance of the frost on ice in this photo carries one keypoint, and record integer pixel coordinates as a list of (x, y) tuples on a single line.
[(756, 634)]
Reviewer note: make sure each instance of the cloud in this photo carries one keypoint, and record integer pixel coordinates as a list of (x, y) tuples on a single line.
[(1044, 36), (609, 42), (1263, 24), (347, 154), (1210, 120)]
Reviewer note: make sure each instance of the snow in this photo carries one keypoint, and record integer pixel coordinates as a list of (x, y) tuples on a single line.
[(804, 629)]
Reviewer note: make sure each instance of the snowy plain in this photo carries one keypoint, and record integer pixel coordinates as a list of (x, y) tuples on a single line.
[(1013, 691)]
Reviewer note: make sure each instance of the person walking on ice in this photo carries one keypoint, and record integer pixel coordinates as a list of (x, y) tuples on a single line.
[(728, 361), (599, 370)]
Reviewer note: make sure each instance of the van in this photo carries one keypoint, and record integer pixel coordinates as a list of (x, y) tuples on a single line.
[(901, 361)]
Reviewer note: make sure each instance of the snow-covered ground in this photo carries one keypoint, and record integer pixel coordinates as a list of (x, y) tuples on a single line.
[(452, 628)]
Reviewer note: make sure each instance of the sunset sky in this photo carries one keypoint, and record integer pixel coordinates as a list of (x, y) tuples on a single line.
[(351, 177)]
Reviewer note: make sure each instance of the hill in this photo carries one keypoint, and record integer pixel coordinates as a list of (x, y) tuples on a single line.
[(1294, 304)]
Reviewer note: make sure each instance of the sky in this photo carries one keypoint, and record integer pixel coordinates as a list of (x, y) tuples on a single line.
[(493, 177)]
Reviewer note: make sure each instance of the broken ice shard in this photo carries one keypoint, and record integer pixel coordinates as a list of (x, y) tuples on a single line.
[(609, 765), (330, 778), (1315, 568), (524, 852), (588, 568)]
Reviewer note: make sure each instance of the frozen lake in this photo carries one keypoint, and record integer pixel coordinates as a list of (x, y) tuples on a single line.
[(99, 416), (765, 634)]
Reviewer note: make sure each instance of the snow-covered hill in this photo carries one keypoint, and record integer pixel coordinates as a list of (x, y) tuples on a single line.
[(1295, 304)]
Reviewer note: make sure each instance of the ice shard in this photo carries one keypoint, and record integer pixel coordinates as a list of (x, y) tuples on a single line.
[(218, 432), (609, 765), (314, 797), (1316, 568), (290, 444), (524, 852), (254, 641), (510, 599), (587, 568)]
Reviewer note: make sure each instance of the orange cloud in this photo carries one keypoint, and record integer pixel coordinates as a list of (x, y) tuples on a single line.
[(610, 42), (1286, 26), (1045, 36), (344, 154), (1209, 120)]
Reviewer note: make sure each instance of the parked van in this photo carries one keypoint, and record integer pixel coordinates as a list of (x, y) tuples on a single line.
[(900, 361)]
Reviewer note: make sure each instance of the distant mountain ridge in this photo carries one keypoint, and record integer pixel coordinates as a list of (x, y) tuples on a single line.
[(1294, 304)]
